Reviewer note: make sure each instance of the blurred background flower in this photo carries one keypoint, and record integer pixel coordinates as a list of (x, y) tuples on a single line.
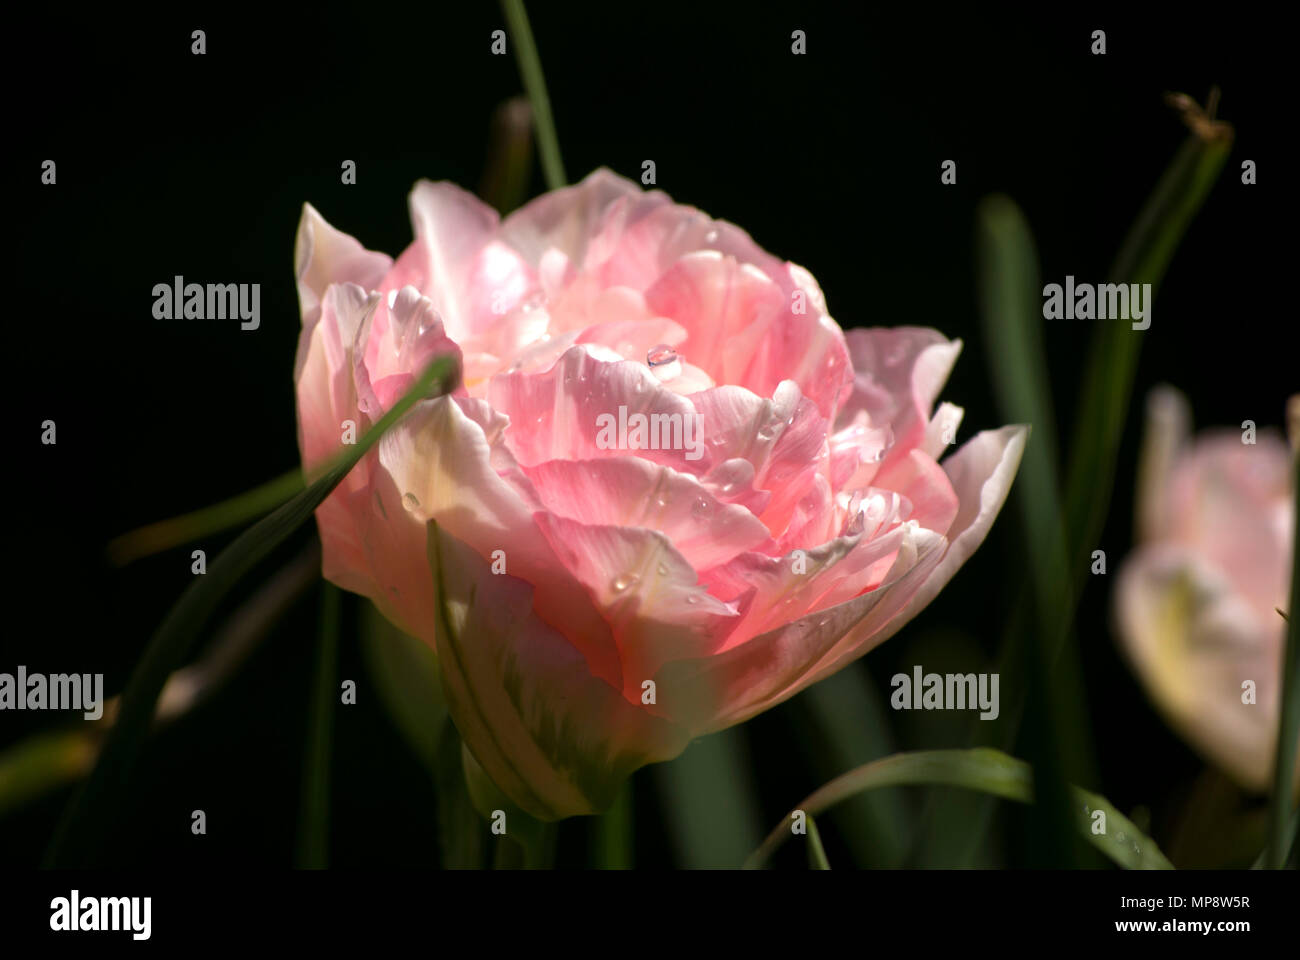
[(1199, 601)]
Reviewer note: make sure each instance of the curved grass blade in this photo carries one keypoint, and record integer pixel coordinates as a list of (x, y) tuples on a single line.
[(172, 532), (76, 837), (530, 68), (988, 771)]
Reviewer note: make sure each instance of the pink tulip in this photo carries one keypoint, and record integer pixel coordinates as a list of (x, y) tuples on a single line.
[(608, 599), (1197, 603)]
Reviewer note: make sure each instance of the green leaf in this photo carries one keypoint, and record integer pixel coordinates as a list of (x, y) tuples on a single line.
[(989, 771), (313, 825), (530, 68), (1112, 363), (90, 809), (405, 672), (165, 534), (1288, 733), (1012, 312)]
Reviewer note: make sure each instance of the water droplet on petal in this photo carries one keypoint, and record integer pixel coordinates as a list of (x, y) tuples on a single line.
[(700, 507), (659, 355), (623, 581), (663, 569), (692, 599), (711, 237), (410, 501)]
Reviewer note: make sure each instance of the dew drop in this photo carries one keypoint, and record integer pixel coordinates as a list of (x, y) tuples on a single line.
[(663, 569), (700, 507), (623, 581), (659, 355), (692, 599), (711, 237), (410, 501)]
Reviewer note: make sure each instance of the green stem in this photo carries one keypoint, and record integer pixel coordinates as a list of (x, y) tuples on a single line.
[(611, 834), (530, 68)]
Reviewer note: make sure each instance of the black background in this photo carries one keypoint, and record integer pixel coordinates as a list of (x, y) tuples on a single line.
[(170, 163)]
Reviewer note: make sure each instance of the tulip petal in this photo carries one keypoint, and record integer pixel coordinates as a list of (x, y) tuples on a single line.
[(572, 412), (1194, 642), (981, 473), (457, 261), (557, 740), (712, 693), (323, 256), (898, 373), (441, 463), (646, 591), (632, 492)]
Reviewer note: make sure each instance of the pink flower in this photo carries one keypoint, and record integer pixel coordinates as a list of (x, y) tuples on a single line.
[(612, 591), (1197, 601)]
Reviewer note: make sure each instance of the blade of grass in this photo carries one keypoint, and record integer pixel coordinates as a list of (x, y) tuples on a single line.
[(989, 771), (530, 68), (76, 839), (165, 534), (313, 825), (1011, 310), (1144, 257), (816, 852)]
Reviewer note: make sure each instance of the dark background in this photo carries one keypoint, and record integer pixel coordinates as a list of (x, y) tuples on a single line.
[(170, 163)]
